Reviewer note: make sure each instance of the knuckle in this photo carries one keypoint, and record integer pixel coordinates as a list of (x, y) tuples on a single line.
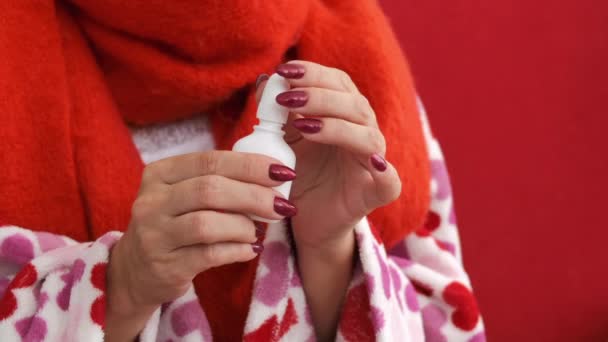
[(147, 249), (150, 173), (246, 227), (363, 106), (396, 190), (377, 139), (142, 207), (210, 162), (318, 76), (345, 79), (211, 255), (258, 196), (199, 225), (206, 188), (150, 259), (364, 102), (324, 98), (250, 165)]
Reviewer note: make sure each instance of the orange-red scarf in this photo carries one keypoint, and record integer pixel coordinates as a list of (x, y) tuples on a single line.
[(73, 73)]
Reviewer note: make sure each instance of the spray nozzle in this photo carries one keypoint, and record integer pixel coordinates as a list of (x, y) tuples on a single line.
[(268, 108)]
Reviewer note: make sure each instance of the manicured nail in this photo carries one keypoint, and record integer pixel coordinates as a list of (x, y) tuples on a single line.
[(292, 98), (257, 247), (259, 229), (307, 125), (260, 79), (291, 70), (378, 162), (281, 173), (284, 208)]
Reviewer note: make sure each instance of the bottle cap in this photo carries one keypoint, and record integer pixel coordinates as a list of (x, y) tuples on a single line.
[(268, 108)]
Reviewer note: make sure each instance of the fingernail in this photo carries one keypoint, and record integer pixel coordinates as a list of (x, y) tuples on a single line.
[(260, 79), (291, 70), (307, 125), (259, 229), (257, 247), (281, 173), (378, 162), (292, 99), (284, 208)]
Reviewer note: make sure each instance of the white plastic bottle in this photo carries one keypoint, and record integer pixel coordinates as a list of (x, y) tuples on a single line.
[(267, 136)]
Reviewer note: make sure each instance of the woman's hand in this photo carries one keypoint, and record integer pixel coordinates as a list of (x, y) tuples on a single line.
[(342, 173), (189, 216), (342, 177)]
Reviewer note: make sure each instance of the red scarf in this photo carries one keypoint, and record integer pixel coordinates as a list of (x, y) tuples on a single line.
[(72, 73)]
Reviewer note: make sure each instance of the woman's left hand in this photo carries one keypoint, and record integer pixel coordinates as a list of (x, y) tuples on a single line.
[(342, 173)]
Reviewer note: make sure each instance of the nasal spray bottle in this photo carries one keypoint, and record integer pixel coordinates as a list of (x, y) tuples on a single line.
[(267, 136)]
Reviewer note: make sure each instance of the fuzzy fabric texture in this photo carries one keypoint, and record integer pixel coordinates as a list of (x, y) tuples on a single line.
[(53, 288), (73, 72)]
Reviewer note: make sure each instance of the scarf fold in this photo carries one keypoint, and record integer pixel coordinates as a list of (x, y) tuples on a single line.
[(73, 74)]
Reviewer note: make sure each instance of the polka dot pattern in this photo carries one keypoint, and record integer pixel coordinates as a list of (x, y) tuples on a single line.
[(432, 221), (272, 329), (271, 288), (290, 318), (434, 320), (32, 329), (466, 313), (423, 232), (440, 175), (25, 278), (356, 324), (399, 295), (377, 318), (386, 280), (186, 318), (48, 241), (411, 298), (8, 305), (17, 248), (98, 310), (98, 276)]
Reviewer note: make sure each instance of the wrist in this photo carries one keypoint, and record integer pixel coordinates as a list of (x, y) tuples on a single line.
[(338, 249), (326, 271), (122, 307)]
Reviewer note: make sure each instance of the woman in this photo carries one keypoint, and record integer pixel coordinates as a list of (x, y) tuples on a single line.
[(93, 90)]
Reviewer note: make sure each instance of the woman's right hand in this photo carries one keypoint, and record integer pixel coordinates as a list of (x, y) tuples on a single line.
[(190, 215)]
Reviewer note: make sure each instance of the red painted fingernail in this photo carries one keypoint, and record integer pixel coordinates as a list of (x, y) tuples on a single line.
[(307, 125), (291, 70), (259, 229), (292, 98), (260, 79), (378, 162), (284, 208), (281, 173), (257, 247)]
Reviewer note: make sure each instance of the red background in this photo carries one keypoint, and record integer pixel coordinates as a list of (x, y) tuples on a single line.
[(517, 93)]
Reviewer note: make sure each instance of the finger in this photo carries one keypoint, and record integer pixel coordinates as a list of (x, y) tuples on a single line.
[(309, 74), (199, 258), (358, 139), (208, 226), (246, 167), (261, 79), (386, 185), (221, 193), (352, 107), (260, 84)]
